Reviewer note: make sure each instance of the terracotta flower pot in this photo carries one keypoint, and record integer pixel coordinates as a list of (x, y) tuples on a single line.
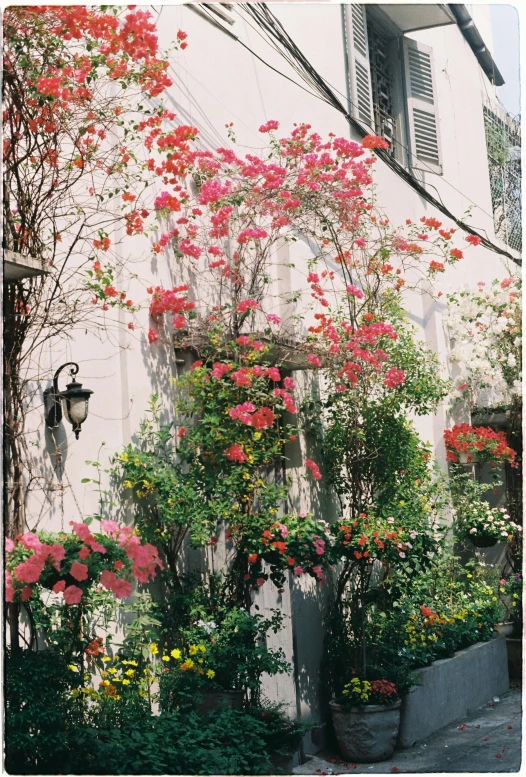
[(366, 734)]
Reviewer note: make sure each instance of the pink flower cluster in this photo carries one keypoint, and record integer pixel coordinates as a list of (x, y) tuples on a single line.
[(354, 290), (247, 414), (287, 400), (314, 469), (247, 304), (251, 234), (394, 377)]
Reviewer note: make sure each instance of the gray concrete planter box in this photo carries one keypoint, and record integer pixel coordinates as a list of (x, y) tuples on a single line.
[(452, 688)]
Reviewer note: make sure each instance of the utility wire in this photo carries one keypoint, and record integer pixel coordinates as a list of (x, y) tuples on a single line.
[(284, 43)]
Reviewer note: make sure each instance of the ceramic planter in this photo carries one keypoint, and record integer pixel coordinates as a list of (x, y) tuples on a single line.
[(467, 458), (505, 629), (366, 734)]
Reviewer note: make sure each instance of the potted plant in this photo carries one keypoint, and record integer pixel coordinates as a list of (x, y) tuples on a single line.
[(511, 595), (466, 444), (366, 720), (282, 735), (483, 525)]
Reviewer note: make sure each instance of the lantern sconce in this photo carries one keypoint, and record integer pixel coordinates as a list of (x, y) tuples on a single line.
[(74, 401)]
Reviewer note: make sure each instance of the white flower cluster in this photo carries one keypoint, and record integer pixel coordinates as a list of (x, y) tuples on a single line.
[(485, 336), (481, 519)]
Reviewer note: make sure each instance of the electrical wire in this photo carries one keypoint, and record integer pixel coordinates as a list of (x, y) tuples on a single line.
[(275, 31)]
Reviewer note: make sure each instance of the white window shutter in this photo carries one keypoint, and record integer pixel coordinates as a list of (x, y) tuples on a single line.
[(359, 67), (422, 111)]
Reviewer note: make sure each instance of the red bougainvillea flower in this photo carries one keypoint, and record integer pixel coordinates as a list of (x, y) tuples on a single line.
[(373, 141), (474, 240), (270, 125)]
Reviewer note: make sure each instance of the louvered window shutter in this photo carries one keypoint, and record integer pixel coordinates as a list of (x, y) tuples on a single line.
[(359, 67), (421, 107)]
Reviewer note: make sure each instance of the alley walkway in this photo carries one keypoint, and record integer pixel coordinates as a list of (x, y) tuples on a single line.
[(489, 740)]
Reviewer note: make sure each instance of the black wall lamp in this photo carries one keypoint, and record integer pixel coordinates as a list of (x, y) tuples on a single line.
[(74, 400)]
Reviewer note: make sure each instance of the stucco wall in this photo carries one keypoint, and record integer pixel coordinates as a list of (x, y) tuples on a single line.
[(217, 81)]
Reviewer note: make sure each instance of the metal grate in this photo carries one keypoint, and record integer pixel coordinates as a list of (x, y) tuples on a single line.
[(503, 143), (384, 121)]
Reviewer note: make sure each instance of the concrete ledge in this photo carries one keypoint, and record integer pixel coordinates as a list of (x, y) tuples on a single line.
[(452, 688)]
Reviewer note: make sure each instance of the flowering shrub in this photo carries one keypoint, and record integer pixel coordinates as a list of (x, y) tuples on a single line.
[(359, 693), (478, 441), (69, 564), (485, 329), (298, 543), (228, 652)]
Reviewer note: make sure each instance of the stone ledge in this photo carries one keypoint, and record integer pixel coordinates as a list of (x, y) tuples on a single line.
[(452, 688), (18, 266)]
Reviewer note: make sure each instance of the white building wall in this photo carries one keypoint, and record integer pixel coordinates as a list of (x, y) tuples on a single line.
[(217, 81)]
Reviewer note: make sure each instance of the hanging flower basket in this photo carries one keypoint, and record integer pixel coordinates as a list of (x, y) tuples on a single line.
[(483, 540)]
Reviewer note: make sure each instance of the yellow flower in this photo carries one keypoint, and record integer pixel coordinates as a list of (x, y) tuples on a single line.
[(154, 649), (469, 575), (257, 435), (72, 667), (501, 590), (166, 658), (192, 650), (130, 672), (493, 598), (112, 670), (211, 674), (124, 457), (127, 484), (106, 659), (176, 653), (202, 648), (125, 682)]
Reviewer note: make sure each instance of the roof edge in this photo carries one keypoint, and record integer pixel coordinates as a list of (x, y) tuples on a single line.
[(469, 30)]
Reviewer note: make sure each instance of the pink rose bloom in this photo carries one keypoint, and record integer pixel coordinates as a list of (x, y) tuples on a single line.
[(84, 553), (298, 571), (283, 530), (9, 545), (79, 571), (72, 594), (59, 587)]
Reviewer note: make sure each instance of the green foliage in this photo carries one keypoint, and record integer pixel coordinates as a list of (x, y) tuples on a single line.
[(39, 710), (447, 608), (231, 643), (281, 734)]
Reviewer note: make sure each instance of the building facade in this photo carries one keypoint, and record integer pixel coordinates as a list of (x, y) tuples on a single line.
[(417, 75)]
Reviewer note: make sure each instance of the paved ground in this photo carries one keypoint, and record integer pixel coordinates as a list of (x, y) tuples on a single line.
[(489, 740)]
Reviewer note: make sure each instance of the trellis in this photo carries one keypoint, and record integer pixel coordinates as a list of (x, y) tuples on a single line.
[(503, 142)]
